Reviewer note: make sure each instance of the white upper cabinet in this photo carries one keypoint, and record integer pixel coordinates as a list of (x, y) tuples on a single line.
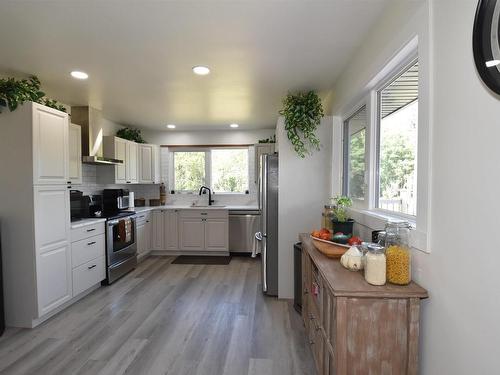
[(132, 162), (128, 152), (50, 146), (75, 154), (149, 164), (120, 152)]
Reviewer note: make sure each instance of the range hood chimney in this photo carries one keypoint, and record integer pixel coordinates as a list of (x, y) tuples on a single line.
[(90, 120)]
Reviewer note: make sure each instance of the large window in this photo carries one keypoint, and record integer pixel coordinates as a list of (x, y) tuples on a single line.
[(224, 170), (397, 143), (355, 155)]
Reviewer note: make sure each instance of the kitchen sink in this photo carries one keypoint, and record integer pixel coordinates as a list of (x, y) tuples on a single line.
[(207, 206)]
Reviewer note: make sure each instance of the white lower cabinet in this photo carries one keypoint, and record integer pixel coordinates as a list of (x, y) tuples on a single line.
[(53, 254), (158, 235), (144, 234), (192, 234), (171, 226), (88, 274), (216, 234), (203, 230), (88, 251), (54, 284)]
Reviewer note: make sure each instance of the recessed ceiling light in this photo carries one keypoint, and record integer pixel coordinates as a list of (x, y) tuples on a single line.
[(234, 125), (491, 63), (201, 70), (171, 126), (79, 75)]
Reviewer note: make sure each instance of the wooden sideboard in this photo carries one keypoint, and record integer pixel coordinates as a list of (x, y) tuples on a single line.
[(355, 328)]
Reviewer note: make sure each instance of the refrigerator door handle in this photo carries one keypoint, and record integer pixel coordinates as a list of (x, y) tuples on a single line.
[(263, 256)]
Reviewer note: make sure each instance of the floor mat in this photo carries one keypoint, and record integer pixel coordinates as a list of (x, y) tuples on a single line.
[(199, 259)]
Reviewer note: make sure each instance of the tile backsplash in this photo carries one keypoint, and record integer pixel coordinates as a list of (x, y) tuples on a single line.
[(90, 186)]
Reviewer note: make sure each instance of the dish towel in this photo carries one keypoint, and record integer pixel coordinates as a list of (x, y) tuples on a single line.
[(255, 246)]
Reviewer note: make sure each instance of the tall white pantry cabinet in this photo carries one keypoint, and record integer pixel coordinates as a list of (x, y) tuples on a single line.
[(35, 212)]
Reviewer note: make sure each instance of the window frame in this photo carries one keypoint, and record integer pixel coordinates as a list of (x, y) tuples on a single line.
[(357, 203), (370, 217), (208, 167), (406, 64)]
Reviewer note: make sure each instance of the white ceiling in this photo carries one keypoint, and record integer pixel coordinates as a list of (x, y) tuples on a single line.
[(139, 54)]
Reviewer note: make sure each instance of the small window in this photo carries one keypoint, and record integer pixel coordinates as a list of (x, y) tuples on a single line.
[(224, 170), (229, 170), (355, 155), (397, 143), (189, 170)]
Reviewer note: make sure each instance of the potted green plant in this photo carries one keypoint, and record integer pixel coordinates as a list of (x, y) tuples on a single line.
[(130, 134), (302, 112), (341, 221), (15, 92)]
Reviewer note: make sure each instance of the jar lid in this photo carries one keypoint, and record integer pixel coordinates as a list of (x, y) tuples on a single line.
[(374, 248), (397, 224), (329, 206)]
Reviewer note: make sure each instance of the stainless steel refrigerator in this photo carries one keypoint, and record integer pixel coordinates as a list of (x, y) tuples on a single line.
[(268, 235)]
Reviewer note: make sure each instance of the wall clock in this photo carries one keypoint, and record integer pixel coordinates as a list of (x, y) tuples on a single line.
[(486, 42)]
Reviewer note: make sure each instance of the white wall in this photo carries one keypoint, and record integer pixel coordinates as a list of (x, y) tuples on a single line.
[(304, 188), (208, 137), (460, 330)]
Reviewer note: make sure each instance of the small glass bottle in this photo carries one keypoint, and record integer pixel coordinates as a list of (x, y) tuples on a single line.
[(328, 216), (398, 253), (375, 264)]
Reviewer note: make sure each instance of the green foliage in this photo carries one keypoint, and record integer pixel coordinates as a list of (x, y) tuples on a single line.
[(397, 163), (230, 170), (15, 92), (130, 134), (341, 204), (357, 164), (303, 112), (268, 140), (189, 170)]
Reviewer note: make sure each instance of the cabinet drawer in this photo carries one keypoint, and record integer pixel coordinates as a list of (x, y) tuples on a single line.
[(143, 217), (205, 214), (87, 275), (87, 249), (78, 234)]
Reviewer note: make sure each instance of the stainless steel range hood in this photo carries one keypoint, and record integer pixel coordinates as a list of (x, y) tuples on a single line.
[(93, 128)]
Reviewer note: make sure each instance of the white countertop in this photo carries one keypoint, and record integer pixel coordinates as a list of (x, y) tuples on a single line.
[(186, 207), (85, 222)]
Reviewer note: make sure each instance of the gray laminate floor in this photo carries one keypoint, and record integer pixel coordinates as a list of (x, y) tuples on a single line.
[(167, 318)]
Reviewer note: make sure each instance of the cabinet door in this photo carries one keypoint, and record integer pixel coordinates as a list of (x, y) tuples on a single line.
[(146, 164), (158, 230), (171, 230), (132, 162), (52, 244), (75, 154), (216, 234), (121, 154), (149, 233), (141, 239), (192, 234), (50, 146)]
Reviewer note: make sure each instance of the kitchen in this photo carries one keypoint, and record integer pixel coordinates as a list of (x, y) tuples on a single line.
[(168, 208)]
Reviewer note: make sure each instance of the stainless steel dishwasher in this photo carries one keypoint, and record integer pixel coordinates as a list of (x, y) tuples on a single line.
[(243, 224)]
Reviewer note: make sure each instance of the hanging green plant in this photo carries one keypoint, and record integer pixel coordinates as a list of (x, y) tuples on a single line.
[(303, 112), (14, 92), (130, 134)]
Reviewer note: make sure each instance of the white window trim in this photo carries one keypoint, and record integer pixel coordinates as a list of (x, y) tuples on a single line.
[(369, 215), (208, 168)]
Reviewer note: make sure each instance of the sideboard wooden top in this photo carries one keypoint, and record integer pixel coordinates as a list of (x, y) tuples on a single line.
[(343, 282)]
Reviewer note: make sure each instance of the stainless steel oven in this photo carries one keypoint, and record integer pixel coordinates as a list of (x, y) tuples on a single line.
[(121, 245)]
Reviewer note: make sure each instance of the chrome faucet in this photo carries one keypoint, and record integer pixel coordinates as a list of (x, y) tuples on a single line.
[(210, 200)]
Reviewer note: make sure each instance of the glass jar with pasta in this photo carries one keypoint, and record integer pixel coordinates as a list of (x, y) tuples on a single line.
[(398, 253)]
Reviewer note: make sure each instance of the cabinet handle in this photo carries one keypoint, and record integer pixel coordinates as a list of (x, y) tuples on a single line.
[(91, 230), (68, 182), (203, 213), (128, 182), (91, 243), (69, 187), (147, 221), (90, 267), (140, 217)]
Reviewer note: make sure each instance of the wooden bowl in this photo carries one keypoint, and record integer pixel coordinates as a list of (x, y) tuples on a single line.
[(329, 248)]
